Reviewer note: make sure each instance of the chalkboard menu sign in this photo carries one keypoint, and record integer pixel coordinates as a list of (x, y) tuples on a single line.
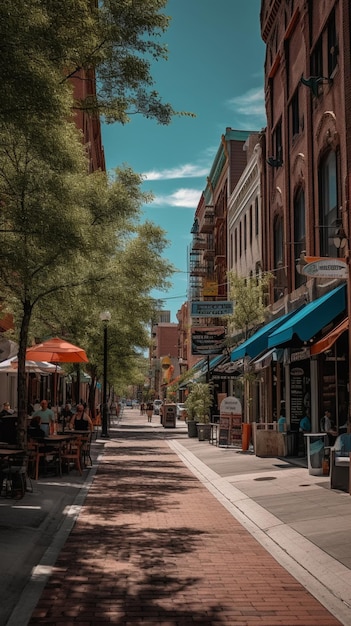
[(230, 422), (297, 410), (224, 431)]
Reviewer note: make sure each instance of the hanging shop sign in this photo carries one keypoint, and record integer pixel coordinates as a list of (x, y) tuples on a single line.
[(208, 340), (326, 268), (210, 288), (211, 309)]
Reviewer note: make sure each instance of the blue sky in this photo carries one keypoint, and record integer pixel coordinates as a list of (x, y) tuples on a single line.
[(215, 69)]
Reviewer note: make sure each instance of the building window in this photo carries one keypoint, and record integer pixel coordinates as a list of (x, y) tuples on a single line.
[(294, 114), (277, 142), (245, 232), (250, 224), (299, 233), (332, 44), (240, 240), (317, 59), (236, 245), (328, 204), (256, 217)]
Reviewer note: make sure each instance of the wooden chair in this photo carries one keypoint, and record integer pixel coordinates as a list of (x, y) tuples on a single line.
[(18, 475), (72, 453), (34, 456), (86, 444), (39, 454)]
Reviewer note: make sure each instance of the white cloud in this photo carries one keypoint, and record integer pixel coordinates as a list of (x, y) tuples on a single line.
[(181, 171), (249, 104), (188, 198)]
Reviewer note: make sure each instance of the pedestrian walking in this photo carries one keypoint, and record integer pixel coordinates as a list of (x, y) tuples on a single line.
[(149, 411)]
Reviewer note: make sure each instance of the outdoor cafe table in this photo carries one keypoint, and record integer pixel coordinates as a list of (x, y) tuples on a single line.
[(55, 443), (6, 452)]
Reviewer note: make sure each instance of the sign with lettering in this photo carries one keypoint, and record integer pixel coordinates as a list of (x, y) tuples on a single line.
[(326, 268), (230, 422), (211, 309), (207, 340)]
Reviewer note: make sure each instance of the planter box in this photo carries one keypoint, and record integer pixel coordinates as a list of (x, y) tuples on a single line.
[(192, 430)]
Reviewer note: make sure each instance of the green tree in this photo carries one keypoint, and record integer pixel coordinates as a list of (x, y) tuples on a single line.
[(45, 43), (249, 297), (127, 266), (62, 229)]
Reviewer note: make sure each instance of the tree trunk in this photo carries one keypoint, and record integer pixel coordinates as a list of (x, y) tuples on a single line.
[(78, 382), (92, 391), (22, 376)]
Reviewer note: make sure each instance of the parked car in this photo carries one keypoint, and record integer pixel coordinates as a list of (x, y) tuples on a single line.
[(129, 403), (157, 405), (181, 410)]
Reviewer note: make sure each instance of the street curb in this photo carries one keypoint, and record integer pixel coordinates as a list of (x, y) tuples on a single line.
[(310, 565), (32, 591)]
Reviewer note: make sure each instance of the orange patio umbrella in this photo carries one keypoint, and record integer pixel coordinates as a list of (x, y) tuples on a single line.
[(56, 350)]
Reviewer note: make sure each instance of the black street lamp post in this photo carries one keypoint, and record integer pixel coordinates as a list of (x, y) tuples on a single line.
[(105, 317)]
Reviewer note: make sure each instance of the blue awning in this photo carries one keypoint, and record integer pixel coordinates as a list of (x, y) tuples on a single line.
[(208, 366), (257, 343), (309, 320)]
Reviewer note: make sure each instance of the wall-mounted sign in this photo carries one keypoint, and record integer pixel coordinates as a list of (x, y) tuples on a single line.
[(211, 309), (210, 288), (326, 268)]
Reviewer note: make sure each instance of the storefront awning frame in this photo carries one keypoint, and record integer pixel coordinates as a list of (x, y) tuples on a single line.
[(258, 342), (329, 340), (310, 319)]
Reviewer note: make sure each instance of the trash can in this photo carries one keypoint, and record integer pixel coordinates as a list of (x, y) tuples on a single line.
[(169, 415), (246, 436), (292, 443), (201, 432), (315, 453)]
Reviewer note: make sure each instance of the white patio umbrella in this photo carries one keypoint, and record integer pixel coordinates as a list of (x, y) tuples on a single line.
[(10, 366)]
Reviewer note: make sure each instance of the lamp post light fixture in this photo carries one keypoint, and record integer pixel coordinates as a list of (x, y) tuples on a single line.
[(105, 317)]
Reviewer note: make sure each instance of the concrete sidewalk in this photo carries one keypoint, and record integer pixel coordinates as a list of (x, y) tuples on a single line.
[(151, 545)]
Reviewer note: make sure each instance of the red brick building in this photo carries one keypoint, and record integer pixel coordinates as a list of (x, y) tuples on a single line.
[(307, 193)]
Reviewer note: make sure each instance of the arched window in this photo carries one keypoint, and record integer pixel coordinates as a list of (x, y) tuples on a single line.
[(299, 233), (328, 204)]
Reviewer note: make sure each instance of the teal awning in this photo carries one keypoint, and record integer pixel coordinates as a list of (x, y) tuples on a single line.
[(310, 320), (257, 343), (208, 366)]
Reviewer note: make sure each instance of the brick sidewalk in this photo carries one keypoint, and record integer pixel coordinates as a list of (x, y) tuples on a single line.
[(153, 547)]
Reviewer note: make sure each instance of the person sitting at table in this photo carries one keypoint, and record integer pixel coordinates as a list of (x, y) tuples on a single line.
[(81, 420), (34, 430), (66, 415), (6, 411), (47, 417)]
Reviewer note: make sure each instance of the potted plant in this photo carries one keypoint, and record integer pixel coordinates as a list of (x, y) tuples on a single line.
[(198, 405)]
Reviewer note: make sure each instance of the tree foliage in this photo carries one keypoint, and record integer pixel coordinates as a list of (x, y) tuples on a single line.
[(71, 243), (249, 297), (43, 43)]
